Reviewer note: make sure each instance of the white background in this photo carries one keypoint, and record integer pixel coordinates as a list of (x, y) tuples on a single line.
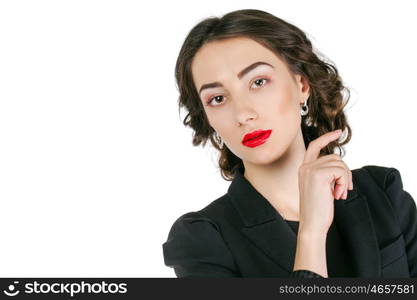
[(95, 164)]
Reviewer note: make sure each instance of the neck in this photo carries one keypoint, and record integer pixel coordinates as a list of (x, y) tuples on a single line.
[(278, 181)]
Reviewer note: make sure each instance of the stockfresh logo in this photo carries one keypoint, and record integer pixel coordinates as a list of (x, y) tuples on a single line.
[(11, 289), (70, 288)]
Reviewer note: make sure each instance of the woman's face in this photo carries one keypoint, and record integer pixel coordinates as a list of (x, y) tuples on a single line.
[(239, 99)]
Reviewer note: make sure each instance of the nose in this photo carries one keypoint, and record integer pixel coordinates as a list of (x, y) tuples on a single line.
[(244, 112)]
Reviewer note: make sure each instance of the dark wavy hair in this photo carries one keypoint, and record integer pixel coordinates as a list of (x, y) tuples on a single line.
[(326, 101)]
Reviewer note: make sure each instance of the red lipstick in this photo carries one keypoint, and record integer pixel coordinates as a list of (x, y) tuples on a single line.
[(256, 138)]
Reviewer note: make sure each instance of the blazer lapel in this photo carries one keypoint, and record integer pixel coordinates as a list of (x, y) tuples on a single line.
[(271, 234)]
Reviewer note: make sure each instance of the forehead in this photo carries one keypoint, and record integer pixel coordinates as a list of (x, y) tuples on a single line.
[(218, 60)]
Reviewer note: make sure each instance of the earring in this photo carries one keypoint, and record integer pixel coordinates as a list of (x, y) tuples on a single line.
[(304, 109), (220, 142)]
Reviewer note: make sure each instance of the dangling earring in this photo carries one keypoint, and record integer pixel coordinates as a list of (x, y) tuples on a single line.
[(304, 108), (220, 142)]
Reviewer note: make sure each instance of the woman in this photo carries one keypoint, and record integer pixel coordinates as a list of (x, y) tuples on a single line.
[(253, 85)]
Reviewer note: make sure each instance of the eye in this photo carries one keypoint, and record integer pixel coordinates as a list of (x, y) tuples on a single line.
[(260, 82), (215, 98)]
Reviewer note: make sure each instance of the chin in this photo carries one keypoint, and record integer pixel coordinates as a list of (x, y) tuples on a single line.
[(265, 157)]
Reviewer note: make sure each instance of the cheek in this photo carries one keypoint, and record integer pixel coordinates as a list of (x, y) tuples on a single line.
[(217, 121), (279, 103)]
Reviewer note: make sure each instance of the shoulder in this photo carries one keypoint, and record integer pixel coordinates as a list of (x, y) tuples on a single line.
[(201, 219), (370, 178), (376, 178), (198, 229), (382, 175), (191, 222), (195, 246)]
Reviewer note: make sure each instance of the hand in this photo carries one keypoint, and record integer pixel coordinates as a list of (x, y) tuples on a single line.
[(321, 180)]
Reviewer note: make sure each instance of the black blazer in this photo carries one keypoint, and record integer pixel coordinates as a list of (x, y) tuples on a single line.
[(241, 235)]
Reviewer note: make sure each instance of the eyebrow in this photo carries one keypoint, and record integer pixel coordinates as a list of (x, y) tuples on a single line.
[(239, 75)]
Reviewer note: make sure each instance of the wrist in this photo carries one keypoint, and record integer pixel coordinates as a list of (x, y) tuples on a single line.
[(311, 252), (308, 234)]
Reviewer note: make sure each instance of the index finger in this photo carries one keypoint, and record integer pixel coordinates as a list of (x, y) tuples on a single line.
[(319, 143)]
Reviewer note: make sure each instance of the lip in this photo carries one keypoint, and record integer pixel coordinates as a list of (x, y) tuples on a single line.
[(256, 138)]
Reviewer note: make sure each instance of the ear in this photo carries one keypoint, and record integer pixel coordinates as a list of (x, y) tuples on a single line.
[(303, 87)]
